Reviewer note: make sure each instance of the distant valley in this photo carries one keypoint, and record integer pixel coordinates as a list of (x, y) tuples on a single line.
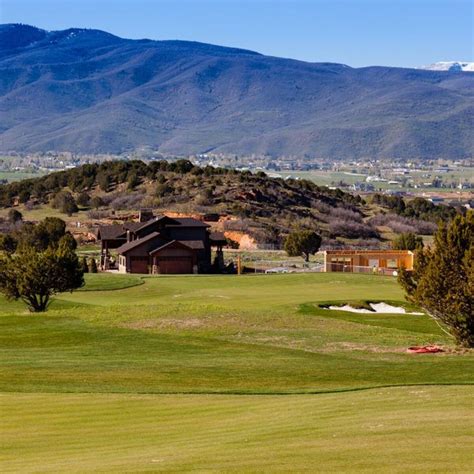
[(87, 91)]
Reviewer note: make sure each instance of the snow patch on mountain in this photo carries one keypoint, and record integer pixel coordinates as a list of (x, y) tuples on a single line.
[(452, 66)]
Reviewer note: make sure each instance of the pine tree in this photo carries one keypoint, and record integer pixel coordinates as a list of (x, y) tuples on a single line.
[(442, 281), (92, 265), (35, 276), (302, 243), (407, 241), (84, 266)]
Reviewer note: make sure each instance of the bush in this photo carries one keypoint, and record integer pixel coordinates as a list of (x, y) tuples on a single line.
[(84, 266), (127, 202), (83, 199), (65, 203), (345, 214), (401, 224), (14, 216), (92, 265), (351, 230), (407, 241), (96, 202)]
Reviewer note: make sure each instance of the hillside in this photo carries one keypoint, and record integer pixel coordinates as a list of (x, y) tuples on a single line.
[(242, 204), (89, 91)]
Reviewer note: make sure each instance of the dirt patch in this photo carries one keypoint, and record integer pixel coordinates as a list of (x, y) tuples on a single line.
[(190, 323), (352, 346)]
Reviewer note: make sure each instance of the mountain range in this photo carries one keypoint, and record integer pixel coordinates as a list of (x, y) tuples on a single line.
[(88, 91)]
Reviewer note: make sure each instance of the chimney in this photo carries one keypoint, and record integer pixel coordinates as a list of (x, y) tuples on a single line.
[(145, 215), (128, 236)]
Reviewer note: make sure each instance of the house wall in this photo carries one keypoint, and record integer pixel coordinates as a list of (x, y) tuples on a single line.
[(365, 262), (122, 264), (134, 256), (193, 233)]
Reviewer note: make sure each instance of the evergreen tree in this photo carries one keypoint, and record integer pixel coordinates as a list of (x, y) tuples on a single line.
[(8, 243), (407, 241), (96, 202), (34, 276), (65, 203), (84, 266), (133, 181), (442, 281), (83, 199), (302, 243), (14, 216), (92, 265)]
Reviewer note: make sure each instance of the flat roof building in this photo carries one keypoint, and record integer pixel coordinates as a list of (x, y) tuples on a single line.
[(380, 262)]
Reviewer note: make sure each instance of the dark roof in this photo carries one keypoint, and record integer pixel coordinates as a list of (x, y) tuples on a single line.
[(136, 243), (193, 244), (188, 222), (172, 242), (110, 232), (132, 226), (143, 225), (217, 237), (118, 231)]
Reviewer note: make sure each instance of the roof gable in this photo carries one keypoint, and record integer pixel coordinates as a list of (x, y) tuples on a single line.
[(172, 244), (110, 232), (188, 222), (161, 219), (137, 243)]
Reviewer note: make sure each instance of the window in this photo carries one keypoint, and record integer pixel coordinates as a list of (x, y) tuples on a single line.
[(392, 263)]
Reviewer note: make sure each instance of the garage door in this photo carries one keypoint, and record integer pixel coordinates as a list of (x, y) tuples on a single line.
[(139, 264), (175, 265)]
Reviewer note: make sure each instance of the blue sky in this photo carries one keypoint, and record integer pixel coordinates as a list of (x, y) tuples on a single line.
[(354, 32)]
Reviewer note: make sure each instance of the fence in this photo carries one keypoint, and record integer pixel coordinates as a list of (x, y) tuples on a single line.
[(348, 268), (280, 266), (287, 266)]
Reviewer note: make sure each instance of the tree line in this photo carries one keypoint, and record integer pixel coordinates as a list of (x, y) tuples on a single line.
[(107, 175), (418, 208)]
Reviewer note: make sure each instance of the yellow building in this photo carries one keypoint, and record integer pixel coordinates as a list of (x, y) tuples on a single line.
[(381, 262)]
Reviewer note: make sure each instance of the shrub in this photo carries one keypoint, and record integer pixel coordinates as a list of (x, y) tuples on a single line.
[(96, 202), (351, 230), (65, 203), (14, 216), (92, 265), (407, 241), (84, 266), (83, 199)]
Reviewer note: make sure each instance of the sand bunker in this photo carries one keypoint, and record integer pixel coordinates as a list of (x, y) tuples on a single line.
[(383, 308)]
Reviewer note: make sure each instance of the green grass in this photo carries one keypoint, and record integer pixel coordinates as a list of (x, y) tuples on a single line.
[(18, 175), (104, 282), (245, 357), (415, 429)]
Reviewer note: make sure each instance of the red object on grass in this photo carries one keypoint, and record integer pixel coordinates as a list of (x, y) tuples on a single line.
[(424, 349)]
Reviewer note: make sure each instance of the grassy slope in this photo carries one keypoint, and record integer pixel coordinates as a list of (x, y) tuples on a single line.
[(395, 430), (250, 334), (228, 335), (103, 282)]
